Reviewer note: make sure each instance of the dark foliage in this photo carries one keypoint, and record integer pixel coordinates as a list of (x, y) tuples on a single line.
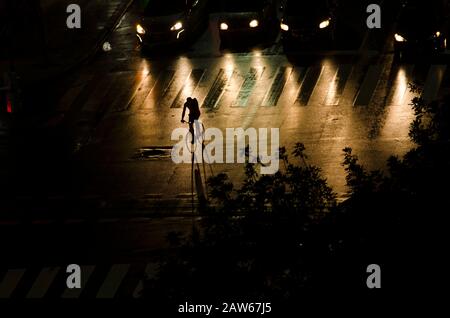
[(278, 237)]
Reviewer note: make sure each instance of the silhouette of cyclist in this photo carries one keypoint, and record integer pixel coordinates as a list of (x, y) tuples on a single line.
[(194, 113), (194, 110)]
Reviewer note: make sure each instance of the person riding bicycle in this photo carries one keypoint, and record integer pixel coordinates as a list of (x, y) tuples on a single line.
[(194, 113), (194, 110)]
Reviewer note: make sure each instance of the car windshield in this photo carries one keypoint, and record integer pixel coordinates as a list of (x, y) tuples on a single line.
[(164, 7), (420, 15), (242, 5), (307, 8)]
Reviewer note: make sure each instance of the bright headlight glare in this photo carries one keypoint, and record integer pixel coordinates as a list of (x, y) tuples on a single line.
[(140, 29), (254, 23), (284, 26), (177, 26), (324, 24), (399, 38), (223, 26)]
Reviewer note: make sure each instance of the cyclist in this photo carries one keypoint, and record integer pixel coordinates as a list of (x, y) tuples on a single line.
[(194, 114), (194, 110)]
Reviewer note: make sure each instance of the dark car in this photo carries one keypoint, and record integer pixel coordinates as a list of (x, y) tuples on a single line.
[(422, 26), (308, 22), (244, 18), (167, 22)]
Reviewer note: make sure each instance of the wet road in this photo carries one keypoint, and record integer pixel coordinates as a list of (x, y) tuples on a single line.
[(125, 102)]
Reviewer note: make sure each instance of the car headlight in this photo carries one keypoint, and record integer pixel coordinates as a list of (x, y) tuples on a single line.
[(324, 24), (284, 26), (176, 26), (223, 26), (253, 23), (399, 38), (140, 29)]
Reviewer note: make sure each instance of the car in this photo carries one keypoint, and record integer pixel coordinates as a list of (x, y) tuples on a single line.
[(308, 22), (241, 20), (171, 22), (422, 27)]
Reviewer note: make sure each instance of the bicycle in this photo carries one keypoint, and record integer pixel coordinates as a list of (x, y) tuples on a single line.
[(199, 137), (194, 139)]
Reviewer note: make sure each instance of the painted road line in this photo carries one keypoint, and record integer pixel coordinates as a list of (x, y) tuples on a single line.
[(113, 280), (177, 83), (246, 89), (141, 79), (86, 92), (146, 87), (131, 280), (43, 282), (300, 73), (86, 272), (433, 82), (215, 93), (276, 89), (164, 80), (322, 86), (10, 281), (368, 86), (188, 88), (337, 85), (404, 75), (99, 94), (124, 94), (308, 84), (151, 271), (70, 96)]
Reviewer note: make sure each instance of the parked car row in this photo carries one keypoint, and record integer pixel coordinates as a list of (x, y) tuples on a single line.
[(309, 22), (165, 22), (420, 25), (246, 18)]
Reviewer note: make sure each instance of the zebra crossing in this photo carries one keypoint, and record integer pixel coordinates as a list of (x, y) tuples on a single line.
[(102, 281), (242, 84)]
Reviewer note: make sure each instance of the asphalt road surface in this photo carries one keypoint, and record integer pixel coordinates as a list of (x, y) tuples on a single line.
[(124, 104)]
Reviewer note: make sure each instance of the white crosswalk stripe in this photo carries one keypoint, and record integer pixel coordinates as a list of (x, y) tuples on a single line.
[(368, 86), (403, 76), (43, 282), (150, 272), (10, 281), (113, 280), (121, 280), (224, 84)]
